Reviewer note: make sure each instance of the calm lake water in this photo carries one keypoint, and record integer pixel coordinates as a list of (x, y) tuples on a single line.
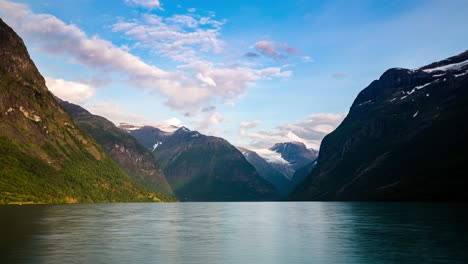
[(243, 233)]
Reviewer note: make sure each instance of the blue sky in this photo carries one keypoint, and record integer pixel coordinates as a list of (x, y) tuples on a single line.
[(254, 72)]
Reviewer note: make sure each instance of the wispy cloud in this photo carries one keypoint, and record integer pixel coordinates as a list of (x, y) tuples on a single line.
[(148, 4), (250, 124), (194, 84), (310, 131), (116, 113), (268, 49), (338, 75), (277, 50)]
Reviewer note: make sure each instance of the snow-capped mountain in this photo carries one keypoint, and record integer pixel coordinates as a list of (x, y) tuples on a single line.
[(279, 163), (204, 168), (405, 138), (296, 153)]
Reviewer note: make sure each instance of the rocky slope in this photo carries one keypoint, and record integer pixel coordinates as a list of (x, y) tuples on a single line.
[(405, 138), (204, 168), (44, 156), (121, 147)]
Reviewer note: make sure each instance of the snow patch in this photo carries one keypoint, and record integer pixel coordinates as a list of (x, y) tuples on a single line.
[(195, 135), (366, 102), (449, 67), (270, 156), (461, 74), (438, 75), (415, 114), (156, 145), (425, 85), (392, 100)]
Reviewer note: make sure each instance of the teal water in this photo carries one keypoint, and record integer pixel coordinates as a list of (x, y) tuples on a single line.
[(243, 233)]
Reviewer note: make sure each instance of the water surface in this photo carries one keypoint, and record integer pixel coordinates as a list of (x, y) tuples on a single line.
[(243, 233)]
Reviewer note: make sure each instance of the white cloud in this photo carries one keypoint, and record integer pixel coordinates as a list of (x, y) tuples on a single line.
[(193, 85), (178, 37), (116, 114), (172, 122), (192, 10), (73, 92), (149, 4), (183, 20), (310, 131), (206, 80), (208, 122), (250, 124)]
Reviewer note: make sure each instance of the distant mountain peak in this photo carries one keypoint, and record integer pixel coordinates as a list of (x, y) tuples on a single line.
[(286, 144), (183, 129), (296, 153)]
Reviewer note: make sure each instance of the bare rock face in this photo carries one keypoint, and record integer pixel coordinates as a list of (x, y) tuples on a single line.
[(405, 138)]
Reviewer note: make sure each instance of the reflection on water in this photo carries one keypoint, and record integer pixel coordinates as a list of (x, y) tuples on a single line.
[(235, 233)]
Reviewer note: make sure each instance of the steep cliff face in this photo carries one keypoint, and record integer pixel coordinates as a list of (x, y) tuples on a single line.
[(121, 147), (44, 156), (405, 138)]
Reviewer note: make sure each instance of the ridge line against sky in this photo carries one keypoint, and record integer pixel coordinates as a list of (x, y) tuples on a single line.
[(253, 72)]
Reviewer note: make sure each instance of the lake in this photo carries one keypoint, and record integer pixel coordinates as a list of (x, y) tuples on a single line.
[(257, 233)]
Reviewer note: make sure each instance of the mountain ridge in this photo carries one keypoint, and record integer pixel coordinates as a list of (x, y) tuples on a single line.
[(44, 156), (204, 168), (379, 151), (121, 147)]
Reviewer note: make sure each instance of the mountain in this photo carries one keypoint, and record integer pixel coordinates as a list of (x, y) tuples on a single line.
[(405, 138), (278, 164), (148, 136), (268, 171), (44, 156), (302, 173), (296, 153), (204, 168), (136, 160)]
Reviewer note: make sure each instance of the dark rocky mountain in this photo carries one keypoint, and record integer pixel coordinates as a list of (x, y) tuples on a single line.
[(302, 173), (296, 153), (204, 168), (136, 160), (405, 138), (148, 136), (268, 171), (44, 156)]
